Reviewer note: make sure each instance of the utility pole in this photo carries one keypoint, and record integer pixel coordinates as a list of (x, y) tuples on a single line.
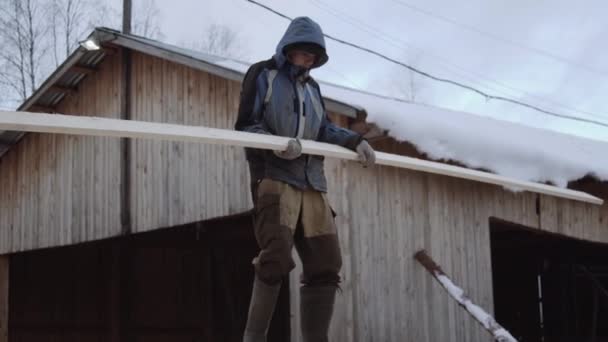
[(120, 252), (126, 115), (127, 5)]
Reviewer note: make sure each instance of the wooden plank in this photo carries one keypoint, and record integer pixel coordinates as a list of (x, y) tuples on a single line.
[(68, 124), (83, 69), (4, 295), (486, 320), (63, 89)]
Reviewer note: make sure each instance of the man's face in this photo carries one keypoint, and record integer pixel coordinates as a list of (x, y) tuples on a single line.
[(301, 58)]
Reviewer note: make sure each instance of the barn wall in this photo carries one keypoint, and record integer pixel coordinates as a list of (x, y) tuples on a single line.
[(61, 189), (578, 220), (174, 182), (385, 214), (4, 293), (65, 189), (386, 295)]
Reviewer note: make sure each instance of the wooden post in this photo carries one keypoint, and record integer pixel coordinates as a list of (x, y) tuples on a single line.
[(125, 143), (4, 272), (127, 6), (499, 333)]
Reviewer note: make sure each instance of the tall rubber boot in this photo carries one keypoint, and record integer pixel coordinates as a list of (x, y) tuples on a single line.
[(263, 300), (316, 309)]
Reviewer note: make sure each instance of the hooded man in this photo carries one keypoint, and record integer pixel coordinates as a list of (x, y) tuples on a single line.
[(279, 97)]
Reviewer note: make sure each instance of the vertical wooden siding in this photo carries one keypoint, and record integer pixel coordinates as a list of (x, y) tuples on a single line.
[(4, 302), (574, 219), (385, 215), (61, 189), (173, 182)]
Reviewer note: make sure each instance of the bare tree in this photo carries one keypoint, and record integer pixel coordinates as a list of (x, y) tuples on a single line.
[(407, 83), (68, 25), (37, 35), (146, 19), (221, 40), (22, 30)]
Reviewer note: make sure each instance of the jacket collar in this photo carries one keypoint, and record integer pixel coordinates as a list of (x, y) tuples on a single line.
[(296, 73)]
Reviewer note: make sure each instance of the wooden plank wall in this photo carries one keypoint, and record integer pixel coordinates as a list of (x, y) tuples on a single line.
[(187, 283), (574, 219), (4, 281), (385, 215), (175, 183), (60, 189)]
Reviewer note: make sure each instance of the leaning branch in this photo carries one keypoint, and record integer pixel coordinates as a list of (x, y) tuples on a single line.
[(500, 334)]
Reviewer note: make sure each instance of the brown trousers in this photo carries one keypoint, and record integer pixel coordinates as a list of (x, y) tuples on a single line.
[(284, 216)]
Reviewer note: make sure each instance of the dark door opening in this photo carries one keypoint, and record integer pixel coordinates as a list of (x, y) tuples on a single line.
[(548, 287), (188, 283)]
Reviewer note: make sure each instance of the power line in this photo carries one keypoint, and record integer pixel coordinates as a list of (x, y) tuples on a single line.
[(502, 39), (487, 96), (474, 77)]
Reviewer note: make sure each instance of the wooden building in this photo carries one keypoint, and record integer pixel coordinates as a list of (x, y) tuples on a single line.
[(107, 239)]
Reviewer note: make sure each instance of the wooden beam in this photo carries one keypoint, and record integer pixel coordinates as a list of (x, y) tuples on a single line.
[(63, 89), (58, 87), (4, 295), (499, 333), (41, 109), (109, 49), (127, 7), (94, 126), (57, 74), (82, 69), (125, 144)]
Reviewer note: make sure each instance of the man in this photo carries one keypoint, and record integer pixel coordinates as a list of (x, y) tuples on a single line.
[(289, 189)]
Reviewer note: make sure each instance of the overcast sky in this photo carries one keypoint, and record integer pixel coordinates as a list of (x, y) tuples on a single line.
[(549, 53)]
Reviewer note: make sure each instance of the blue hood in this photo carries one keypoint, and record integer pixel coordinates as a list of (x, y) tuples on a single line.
[(301, 30)]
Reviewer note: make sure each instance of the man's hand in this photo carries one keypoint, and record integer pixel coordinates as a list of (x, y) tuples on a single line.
[(293, 151), (367, 156)]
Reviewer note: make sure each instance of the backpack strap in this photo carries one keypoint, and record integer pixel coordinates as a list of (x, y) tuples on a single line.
[(271, 76), (316, 101)]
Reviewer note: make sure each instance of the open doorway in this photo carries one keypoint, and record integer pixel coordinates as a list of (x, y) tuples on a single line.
[(186, 283), (548, 287)]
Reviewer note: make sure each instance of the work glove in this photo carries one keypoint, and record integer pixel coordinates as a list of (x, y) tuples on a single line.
[(367, 156), (293, 150)]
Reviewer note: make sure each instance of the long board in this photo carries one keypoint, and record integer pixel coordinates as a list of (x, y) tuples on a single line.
[(95, 126)]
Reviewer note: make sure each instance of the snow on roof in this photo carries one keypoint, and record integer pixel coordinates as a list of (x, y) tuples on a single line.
[(509, 149)]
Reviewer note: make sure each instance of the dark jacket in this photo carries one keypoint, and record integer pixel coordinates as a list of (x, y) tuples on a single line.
[(295, 100)]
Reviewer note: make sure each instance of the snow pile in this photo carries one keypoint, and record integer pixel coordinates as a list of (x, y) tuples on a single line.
[(505, 148)]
